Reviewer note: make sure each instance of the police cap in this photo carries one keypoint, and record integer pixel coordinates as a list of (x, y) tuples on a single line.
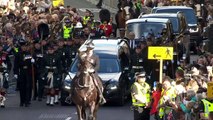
[(141, 74)]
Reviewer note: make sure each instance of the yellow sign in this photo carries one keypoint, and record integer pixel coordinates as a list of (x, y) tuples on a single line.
[(210, 90), (57, 3), (160, 53)]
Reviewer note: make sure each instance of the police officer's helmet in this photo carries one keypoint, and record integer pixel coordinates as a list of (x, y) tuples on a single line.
[(78, 25), (140, 75)]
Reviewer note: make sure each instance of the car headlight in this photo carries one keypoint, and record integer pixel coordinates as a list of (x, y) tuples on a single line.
[(113, 85)]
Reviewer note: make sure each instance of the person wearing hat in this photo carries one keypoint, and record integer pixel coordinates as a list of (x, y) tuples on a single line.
[(137, 60), (23, 72), (140, 92), (5, 66), (39, 67), (67, 29), (71, 50), (51, 76), (94, 67)]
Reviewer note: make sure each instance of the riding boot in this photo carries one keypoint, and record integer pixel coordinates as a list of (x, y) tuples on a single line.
[(56, 99), (51, 101), (100, 91), (48, 100)]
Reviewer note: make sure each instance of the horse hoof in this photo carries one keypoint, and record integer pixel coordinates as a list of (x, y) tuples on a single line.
[(2, 106), (47, 104), (56, 103), (51, 105)]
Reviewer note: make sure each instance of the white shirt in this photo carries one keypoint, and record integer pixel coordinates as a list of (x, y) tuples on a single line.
[(132, 44)]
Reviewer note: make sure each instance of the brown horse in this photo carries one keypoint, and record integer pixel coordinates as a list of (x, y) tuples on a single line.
[(84, 93), (125, 13)]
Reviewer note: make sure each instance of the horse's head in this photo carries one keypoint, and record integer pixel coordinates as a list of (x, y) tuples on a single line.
[(125, 8), (127, 14)]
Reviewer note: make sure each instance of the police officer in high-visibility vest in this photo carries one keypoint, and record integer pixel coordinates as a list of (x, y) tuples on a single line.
[(140, 92), (205, 107), (86, 18), (67, 29)]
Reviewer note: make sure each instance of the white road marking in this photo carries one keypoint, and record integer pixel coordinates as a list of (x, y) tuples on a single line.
[(69, 118)]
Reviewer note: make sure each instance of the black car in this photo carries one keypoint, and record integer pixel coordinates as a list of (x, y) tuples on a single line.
[(114, 70), (180, 28), (143, 27), (191, 19)]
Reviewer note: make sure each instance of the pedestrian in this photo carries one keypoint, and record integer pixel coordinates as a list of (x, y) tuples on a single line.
[(156, 95), (140, 92)]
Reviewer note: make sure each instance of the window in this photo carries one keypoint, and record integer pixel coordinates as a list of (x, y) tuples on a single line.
[(188, 13), (142, 29)]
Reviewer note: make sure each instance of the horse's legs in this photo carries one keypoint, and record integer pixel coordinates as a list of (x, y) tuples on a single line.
[(83, 112), (95, 111), (79, 111), (92, 111)]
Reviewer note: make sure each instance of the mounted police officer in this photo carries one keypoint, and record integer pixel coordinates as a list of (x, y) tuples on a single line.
[(23, 71), (52, 77), (140, 92), (5, 66)]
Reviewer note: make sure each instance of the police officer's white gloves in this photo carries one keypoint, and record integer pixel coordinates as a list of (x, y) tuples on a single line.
[(58, 78), (142, 100), (43, 78), (16, 76), (32, 60)]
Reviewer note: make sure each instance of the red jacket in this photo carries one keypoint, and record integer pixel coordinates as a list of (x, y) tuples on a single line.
[(107, 29), (156, 95)]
